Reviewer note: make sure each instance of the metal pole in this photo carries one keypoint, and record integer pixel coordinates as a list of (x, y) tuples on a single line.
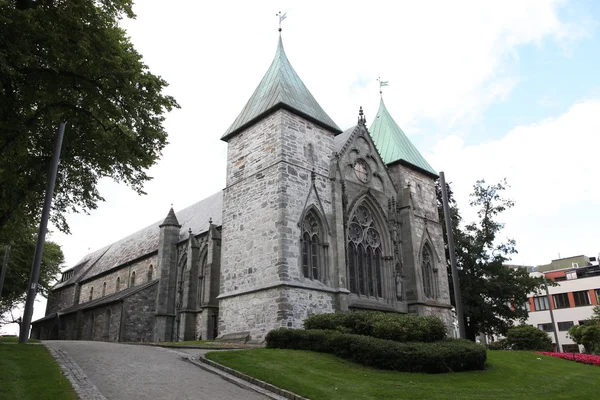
[(39, 249), (552, 316), (455, 279), (4, 268)]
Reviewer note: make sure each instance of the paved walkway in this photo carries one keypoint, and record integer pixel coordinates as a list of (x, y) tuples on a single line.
[(124, 372)]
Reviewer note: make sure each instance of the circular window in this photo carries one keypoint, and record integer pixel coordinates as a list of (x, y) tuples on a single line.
[(361, 169)]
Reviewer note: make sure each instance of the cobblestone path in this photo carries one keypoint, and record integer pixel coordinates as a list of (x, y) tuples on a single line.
[(127, 372)]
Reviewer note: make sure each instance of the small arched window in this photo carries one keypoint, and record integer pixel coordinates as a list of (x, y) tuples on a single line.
[(428, 271), (103, 289), (132, 279), (311, 247), (150, 273), (91, 293), (118, 283), (364, 254)]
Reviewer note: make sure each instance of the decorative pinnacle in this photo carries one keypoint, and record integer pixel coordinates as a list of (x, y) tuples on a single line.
[(281, 18), (190, 231), (361, 117), (313, 175), (210, 220), (381, 84)]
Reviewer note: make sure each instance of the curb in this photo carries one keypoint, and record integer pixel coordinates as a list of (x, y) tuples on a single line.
[(194, 346), (244, 380), (82, 385)]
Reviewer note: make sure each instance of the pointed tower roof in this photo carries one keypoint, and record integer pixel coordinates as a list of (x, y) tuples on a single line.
[(171, 219), (281, 87), (393, 144)]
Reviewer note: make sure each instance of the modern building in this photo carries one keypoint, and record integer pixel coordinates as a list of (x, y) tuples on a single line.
[(572, 300), (312, 219)]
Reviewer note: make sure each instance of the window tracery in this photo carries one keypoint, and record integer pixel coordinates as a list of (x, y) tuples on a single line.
[(428, 272), (311, 247), (364, 254)]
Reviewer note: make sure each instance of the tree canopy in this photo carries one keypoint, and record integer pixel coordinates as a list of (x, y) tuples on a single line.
[(63, 60), (493, 294)]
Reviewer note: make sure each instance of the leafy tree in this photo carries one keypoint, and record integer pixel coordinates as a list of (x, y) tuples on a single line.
[(493, 294), (588, 334), (70, 60)]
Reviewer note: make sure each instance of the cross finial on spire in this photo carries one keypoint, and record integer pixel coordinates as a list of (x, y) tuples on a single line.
[(381, 84), (281, 18)]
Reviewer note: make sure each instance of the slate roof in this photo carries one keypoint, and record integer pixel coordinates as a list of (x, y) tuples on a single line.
[(111, 298), (340, 140), (145, 241), (393, 144), (281, 87)]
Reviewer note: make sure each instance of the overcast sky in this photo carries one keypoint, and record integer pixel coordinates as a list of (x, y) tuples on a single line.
[(484, 90)]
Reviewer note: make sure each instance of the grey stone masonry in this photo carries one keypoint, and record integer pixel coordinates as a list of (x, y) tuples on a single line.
[(167, 285)]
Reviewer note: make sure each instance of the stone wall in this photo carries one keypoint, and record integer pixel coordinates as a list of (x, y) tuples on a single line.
[(140, 267), (60, 299), (138, 319), (101, 323)]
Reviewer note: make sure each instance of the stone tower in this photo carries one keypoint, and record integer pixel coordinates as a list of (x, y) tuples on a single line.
[(278, 155), (167, 268), (423, 256)]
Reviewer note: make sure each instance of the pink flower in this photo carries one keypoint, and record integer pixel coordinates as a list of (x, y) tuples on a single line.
[(590, 359)]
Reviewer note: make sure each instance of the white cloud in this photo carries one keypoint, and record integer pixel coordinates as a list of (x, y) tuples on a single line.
[(552, 168)]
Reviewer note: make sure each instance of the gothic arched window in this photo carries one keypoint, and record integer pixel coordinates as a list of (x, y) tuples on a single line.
[(428, 272), (103, 289), (91, 293), (364, 254), (311, 247), (150, 273), (132, 279), (118, 283)]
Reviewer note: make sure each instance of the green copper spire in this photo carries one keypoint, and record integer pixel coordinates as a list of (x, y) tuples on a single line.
[(393, 144), (281, 87)]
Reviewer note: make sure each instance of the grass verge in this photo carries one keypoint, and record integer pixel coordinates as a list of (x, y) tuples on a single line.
[(15, 339), (510, 375), (30, 372)]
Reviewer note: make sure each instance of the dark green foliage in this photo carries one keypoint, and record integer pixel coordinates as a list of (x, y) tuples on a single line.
[(498, 345), (391, 326), (527, 337), (442, 356), (588, 334), (493, 295)]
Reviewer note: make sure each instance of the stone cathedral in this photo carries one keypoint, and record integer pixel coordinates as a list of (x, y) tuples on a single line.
[(312, 219)]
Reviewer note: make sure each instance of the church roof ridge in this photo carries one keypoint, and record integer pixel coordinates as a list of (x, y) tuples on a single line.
[(393, 144), (280, 87)]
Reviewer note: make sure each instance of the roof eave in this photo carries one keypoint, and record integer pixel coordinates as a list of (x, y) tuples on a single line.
[(410, 165), (336, 130)]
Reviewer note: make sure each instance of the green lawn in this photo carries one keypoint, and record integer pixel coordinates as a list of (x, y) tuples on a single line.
[(510, 375), (30, 372), (15, 339)]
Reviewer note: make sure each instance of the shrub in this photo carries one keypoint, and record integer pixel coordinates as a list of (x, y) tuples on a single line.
[(587, 335), (441, 356), (391, 326), (498, 345), (526, 337)]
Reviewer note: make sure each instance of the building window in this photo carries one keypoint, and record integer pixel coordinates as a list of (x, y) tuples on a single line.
[(311, 247), (150, 273), (428, 270), (561, 300), (597, 291), (546, 327), (582, 298), (118, 283), (103, 289), (132, 279), (564, 326), (541, 303), (570, 348), (91, 293), (364, 254)]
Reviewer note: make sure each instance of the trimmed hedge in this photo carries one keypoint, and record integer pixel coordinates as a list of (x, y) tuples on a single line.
[(527, 337), (442, 356), (390, 326)]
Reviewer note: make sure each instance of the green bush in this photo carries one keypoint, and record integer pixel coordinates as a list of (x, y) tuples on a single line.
[(391, 326), (587, 335), (498, 345), (441, 356), (527, 337)]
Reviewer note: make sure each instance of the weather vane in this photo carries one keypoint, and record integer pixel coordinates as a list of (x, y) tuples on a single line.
[(281, 18), (382, 84)]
